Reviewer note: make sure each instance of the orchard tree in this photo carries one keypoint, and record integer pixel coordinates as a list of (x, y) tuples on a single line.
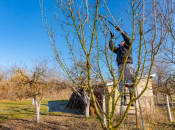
[(166, 55), (87, 37), (164, 81), (36, 79)]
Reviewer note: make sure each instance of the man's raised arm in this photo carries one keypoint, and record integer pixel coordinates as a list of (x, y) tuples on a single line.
[(126, 39), (125, 36), (111, 45)]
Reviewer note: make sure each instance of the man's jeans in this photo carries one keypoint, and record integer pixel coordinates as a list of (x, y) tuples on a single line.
[(128, 76)]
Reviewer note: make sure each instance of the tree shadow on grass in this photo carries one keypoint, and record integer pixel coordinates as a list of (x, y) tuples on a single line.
[(60, 106)]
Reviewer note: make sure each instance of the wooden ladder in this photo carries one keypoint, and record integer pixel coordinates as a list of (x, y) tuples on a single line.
[(131, 113)]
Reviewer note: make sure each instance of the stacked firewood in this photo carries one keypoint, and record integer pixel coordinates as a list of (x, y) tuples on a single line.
[(76, 102)]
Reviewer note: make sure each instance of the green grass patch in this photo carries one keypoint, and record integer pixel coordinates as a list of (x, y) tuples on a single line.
[(51, 113), (16, 110), (21, 110)]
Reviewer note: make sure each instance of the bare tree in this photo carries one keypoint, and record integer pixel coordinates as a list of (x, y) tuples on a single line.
[(55, 80), (3, 83), (36, 79), (166, 56), (82, 26), (2, 74), (164, 80)]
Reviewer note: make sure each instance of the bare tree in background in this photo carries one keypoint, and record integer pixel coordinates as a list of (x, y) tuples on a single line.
[(165, 10), (164, 80), (2, 74), (55, 80), (86, 37), (36, 79), (2, 82)]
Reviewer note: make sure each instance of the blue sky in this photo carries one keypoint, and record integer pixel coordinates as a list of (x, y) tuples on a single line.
[(22, 36)]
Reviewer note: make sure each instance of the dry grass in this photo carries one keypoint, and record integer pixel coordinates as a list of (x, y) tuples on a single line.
[(64, 121), (160, 121), (157, 121)]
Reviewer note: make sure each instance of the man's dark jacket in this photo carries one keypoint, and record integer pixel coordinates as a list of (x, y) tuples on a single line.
[(122, 51)]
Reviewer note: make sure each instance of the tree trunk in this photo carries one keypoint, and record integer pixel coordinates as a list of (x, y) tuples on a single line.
[(168, 108), (87, 104), (37, 110), (104, 109)]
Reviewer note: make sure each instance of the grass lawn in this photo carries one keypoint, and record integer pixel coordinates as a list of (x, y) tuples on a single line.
[(19, 110), (21, 115)]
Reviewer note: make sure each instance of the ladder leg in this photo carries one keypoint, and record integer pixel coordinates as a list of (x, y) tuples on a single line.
[(122, 109), (140, 110), (133, 113), (122, 102), (122, 105), (136, 111), (123, 91)]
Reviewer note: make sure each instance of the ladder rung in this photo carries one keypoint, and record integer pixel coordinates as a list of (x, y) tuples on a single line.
[(127, 94), (132, 114), (131, 108), (133, 123)]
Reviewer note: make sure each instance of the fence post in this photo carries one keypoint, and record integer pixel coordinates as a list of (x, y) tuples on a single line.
[(104, 109), (168, 108)]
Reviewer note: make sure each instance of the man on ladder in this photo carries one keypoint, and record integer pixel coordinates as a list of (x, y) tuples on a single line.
[(128, 75), (121, 52)]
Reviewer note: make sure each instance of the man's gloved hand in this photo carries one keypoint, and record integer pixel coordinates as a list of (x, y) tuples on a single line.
[(117, 28), (112, 35)]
